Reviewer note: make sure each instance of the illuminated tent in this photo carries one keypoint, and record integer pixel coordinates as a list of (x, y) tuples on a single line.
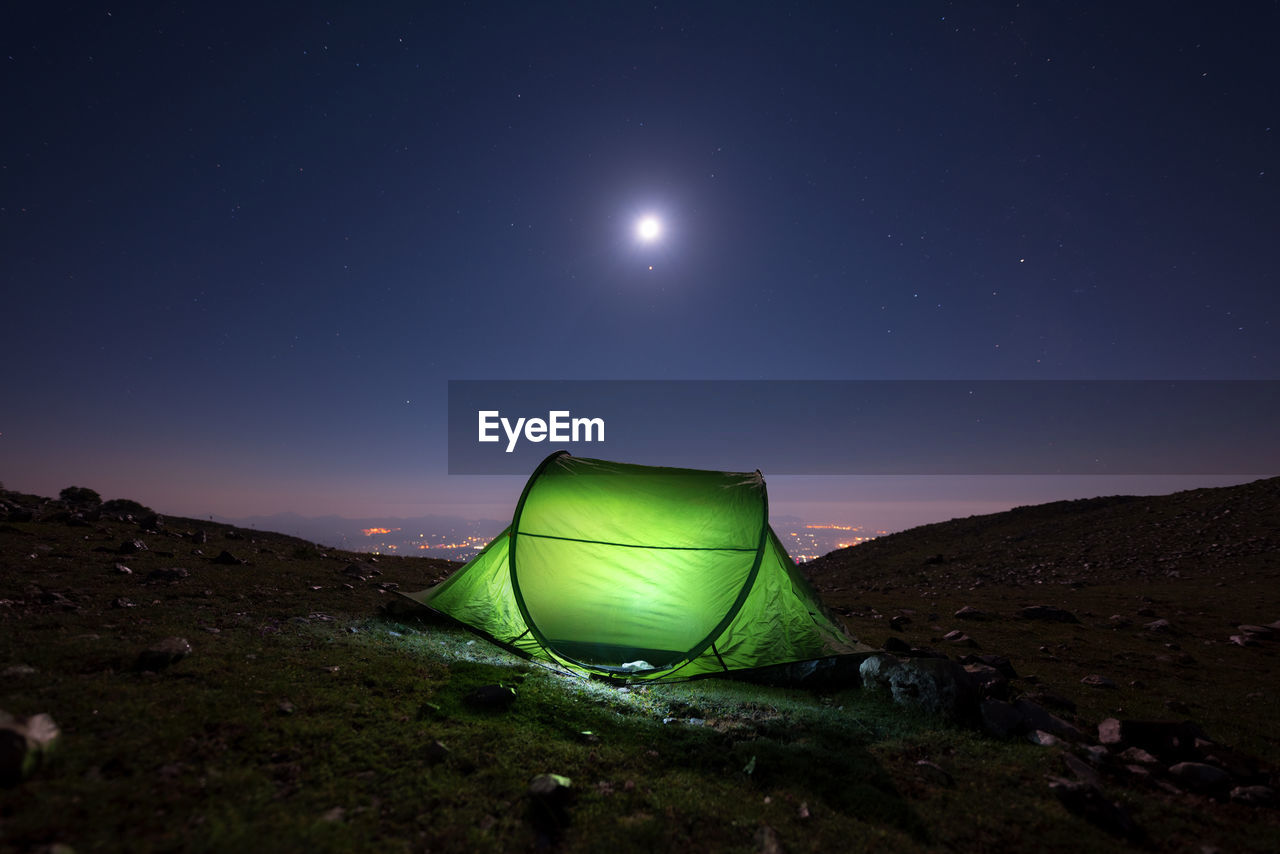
[(641, 573)]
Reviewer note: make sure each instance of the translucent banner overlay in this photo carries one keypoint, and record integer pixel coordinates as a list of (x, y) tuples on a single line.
[(872, 427)]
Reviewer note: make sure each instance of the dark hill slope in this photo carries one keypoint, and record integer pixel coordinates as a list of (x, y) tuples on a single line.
[(1205, 561)]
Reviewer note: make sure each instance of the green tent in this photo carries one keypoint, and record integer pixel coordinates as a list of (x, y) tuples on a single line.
[(641, 573)]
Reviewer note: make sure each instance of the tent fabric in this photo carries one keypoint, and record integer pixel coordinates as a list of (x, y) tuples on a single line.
[(641, 572)]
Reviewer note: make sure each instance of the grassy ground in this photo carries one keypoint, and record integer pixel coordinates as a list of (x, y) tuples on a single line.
[(303, 720)]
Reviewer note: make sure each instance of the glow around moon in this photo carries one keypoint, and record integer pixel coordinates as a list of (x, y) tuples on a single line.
[(648, 229)]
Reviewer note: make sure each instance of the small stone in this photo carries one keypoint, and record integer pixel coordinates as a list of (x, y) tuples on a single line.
[(226, 558), (1254, 796), (121, 569), (1257, 632), (129, 547), (1119, 621), (999, 662), (169, 651), (17, 671), (1049, 613), (122, 602), (333, 815), (437, 752), (1200, 777), (959, 638), (1093, 680), (285, 707), (1042, 738), (970, 613), (896, 623), (173, 573), (1243, 640), (1159, 626), (1138, 756)]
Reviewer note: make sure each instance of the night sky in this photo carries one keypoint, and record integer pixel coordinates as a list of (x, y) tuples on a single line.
[(246, 246)]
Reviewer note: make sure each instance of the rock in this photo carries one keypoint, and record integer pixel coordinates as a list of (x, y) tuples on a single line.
[(1119, 621), (17, 671), (959, 638), (1138, 756), (226, 558), (1109, 732), (1083, 771), (1093, 680), (971, 613), (129, 547), (936, 685), (1254, 796), (896, 623), (1159, 626), (875, 670), (549, 799), (999, 662), (24, 745), (1200, 777), (490, 698), (934, 773), (1087, 801), (1242, 640), (1042, 738), (121, 569), (1244, 769), (173, 573), (1169, 741), (199, 538), (1049, 613), (991, 682), (897, 645), (169, 651), (1257, 632), (1037, 717), (1000, 719)]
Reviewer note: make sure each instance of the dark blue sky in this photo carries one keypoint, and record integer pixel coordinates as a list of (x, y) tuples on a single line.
[(245, 246)]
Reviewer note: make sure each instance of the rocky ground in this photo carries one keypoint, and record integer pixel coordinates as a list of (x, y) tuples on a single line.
[(1091, 674)]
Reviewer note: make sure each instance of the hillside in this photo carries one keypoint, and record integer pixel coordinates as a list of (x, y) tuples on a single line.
[(221, 689), (1206, 561)]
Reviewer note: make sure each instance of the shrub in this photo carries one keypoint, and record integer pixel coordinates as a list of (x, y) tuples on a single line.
[(79, 496)]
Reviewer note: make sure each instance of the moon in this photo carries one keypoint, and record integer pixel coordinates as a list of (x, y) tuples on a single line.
[(648, 229)]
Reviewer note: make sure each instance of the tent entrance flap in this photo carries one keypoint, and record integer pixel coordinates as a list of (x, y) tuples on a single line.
[(650, 572)]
